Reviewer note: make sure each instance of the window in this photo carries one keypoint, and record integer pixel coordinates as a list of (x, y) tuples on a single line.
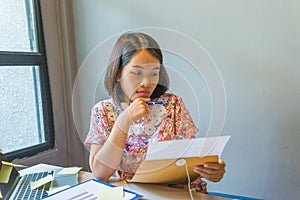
[(26, 125)]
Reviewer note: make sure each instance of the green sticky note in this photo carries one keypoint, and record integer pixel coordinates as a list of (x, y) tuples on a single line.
[(70, 170), (40, 182), (12, 164), (5, 173), (115, 193)]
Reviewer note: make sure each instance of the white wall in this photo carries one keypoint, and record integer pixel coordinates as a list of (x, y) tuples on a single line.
[(256, 46)]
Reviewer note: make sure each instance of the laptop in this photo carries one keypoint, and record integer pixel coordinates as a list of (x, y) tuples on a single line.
[(18, 187)]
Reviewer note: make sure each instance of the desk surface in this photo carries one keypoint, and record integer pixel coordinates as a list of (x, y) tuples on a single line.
[(156, 192), (149, 191)]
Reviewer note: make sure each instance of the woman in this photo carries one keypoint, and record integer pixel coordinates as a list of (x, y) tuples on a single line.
[(122, 126)]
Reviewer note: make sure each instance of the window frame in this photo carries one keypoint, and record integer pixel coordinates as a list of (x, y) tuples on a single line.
[(10, 58)]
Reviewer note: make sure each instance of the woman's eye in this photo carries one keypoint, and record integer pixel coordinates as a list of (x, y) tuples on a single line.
[(154, 74), (136, 73)]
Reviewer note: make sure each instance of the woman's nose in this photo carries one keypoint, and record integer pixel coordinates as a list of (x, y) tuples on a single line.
[(145, 81)]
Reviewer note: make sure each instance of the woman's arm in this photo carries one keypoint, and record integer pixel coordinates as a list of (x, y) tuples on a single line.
[(105, 159)]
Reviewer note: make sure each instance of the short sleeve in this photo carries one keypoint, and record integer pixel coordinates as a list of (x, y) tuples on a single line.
[(100, 124), (178, 124), (185, 128)]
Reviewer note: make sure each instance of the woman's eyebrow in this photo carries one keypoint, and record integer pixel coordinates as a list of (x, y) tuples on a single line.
[(141, 67), (138, 66)]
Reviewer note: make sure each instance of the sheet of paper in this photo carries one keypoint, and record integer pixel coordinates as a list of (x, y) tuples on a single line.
[(40, 182), (57, 189), (88, 189), (39, 168), (115, 193), (70, 170), (187, 148), (1, 194), (5, 172)]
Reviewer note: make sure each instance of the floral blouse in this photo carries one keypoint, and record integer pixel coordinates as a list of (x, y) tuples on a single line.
[(170, 121)]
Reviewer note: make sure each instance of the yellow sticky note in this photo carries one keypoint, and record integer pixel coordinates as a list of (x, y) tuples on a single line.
[(12, 164), (40, 182), (5, 173), (115, 193), (70, 170), (1, 152), (57, 189), (1, 194)]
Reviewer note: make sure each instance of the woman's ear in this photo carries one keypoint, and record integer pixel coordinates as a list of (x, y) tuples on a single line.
[(118, 77)]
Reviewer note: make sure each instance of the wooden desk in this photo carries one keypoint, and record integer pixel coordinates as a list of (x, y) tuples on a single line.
[(155, 192), (149, 191)]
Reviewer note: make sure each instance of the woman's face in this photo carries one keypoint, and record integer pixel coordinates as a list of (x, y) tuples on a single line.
[(140, 76)]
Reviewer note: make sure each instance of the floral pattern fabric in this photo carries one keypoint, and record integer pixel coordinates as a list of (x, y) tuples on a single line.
[(170, 121)]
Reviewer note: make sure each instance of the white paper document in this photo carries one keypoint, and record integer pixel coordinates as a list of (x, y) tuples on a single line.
[(89, 190), (187, 148)]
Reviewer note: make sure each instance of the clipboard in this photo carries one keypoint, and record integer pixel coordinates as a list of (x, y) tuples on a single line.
[(169, 161)]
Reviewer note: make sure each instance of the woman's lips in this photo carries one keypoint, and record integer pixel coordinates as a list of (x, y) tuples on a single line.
[(143, 93)]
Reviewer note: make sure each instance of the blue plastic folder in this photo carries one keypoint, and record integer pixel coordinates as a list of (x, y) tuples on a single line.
[(89, 190)]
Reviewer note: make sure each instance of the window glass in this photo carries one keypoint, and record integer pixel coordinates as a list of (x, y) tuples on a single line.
[(18, 28), (21, 124), (26, 125)]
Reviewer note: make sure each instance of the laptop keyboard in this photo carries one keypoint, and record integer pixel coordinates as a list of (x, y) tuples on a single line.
[(23, 190)]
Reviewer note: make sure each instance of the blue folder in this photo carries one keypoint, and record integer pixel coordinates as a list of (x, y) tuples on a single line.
[(94, 182)]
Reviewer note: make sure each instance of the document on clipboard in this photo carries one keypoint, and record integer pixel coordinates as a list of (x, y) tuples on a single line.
[(91, 190), (168, 161)]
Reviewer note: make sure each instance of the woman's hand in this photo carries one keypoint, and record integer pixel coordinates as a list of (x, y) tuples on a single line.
[(213, 172), (138, 109), (135, 111)]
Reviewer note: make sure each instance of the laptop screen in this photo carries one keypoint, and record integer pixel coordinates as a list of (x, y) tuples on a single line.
[(5, 187)]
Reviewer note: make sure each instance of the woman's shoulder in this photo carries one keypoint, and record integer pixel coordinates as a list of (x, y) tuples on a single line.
[(106, 104), (169, 97)]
